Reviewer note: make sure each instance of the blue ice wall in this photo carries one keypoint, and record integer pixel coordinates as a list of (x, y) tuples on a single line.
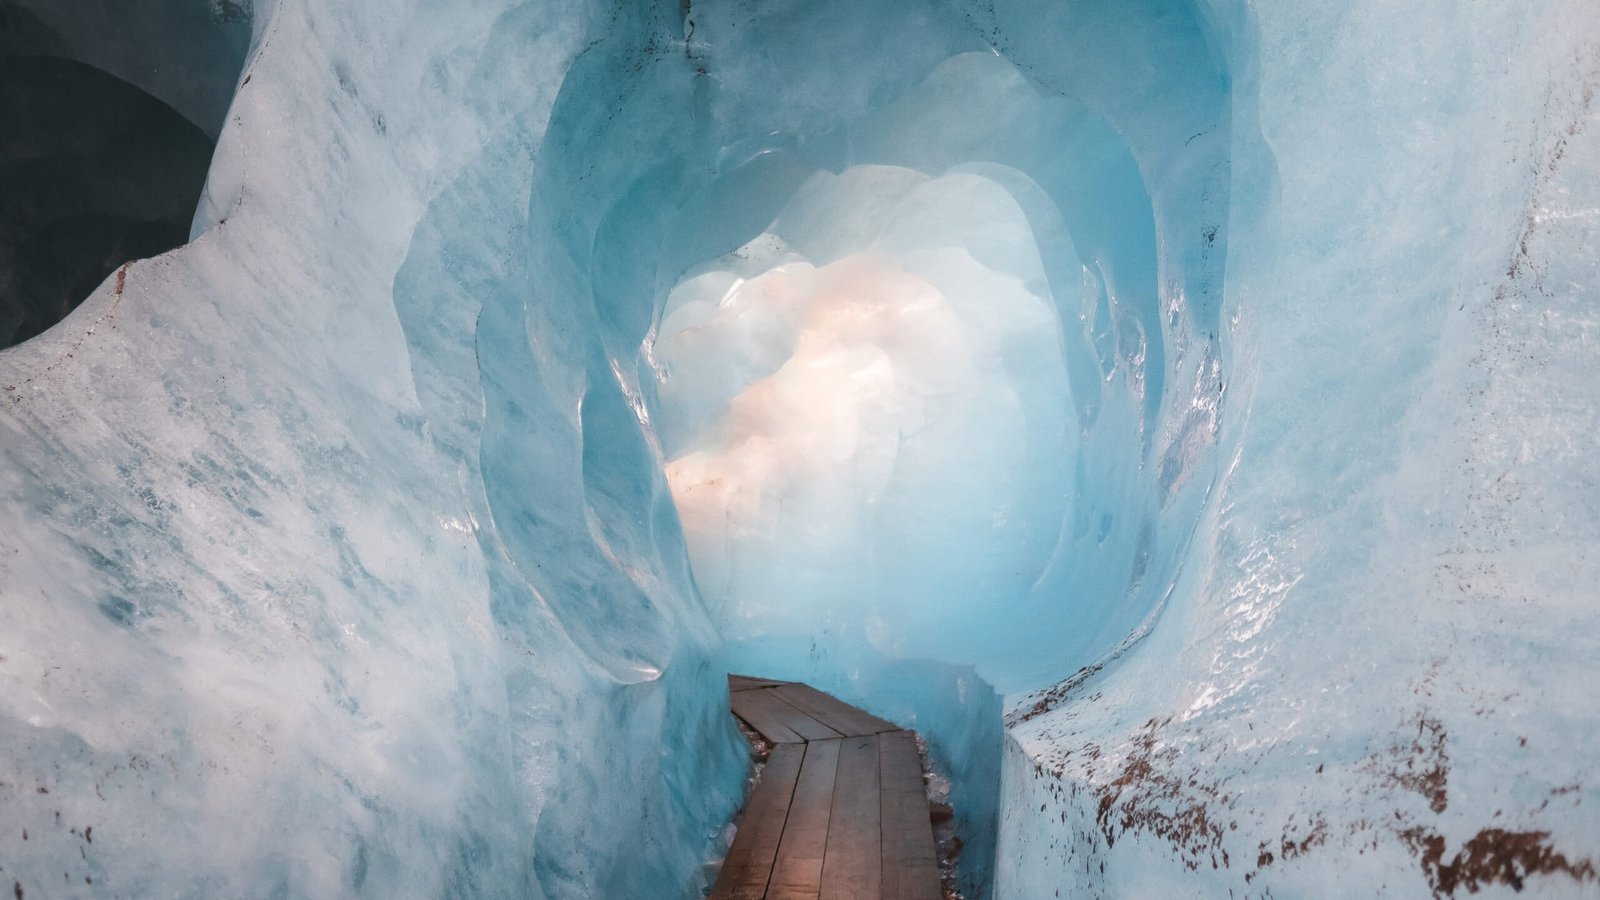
[(330, 560), (883, 564), (338, 550), (1371, 670)]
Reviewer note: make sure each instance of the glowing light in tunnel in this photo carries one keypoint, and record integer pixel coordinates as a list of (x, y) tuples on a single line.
[(855, 402)]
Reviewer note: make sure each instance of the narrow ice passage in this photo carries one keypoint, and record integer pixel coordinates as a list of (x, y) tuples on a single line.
[(1181, 413)]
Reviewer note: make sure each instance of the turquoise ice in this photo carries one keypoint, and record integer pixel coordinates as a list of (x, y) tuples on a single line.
[(1183, 412)]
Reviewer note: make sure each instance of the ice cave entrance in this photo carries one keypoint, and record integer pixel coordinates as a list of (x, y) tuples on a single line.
[(110, 116), (917, 394), (935, 377), (865, 412)]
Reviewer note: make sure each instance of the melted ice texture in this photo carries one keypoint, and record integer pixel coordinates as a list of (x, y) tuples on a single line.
[(1183, 412)]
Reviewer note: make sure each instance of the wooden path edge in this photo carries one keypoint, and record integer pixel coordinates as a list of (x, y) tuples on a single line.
[(840, 810)]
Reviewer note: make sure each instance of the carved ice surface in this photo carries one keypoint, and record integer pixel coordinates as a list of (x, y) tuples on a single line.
[(322, 569), (1215, 381)]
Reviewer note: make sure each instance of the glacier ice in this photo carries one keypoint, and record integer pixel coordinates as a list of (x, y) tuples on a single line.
[(1182, 411), (867, 430), (272, 625)]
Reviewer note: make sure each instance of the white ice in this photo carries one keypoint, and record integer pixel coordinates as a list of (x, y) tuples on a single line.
[(1182, 411)]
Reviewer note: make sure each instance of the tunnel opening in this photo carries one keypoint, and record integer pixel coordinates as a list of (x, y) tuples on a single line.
[(353, 518), (926, 345), (112, 113)]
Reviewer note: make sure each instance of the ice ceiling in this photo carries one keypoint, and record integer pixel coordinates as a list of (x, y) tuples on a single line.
[(1181, 411)]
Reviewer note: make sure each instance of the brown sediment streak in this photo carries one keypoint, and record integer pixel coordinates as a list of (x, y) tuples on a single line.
[(1493, 856)]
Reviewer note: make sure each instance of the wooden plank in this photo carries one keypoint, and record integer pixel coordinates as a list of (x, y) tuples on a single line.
[(749, 864), (834, 713), (910, 862), (853, 866), (750, 683), (765, 713), (842, 717), (808, 728), (797, 873), (832, 818), (802, 723), (772, 709)]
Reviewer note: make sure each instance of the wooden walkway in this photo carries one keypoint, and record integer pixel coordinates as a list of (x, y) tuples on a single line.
[(840, 812)]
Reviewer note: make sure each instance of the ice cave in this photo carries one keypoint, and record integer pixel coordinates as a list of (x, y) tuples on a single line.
[(1183, 414)]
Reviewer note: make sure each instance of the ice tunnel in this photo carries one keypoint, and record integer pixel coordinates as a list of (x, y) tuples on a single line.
[(1182, 412)]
